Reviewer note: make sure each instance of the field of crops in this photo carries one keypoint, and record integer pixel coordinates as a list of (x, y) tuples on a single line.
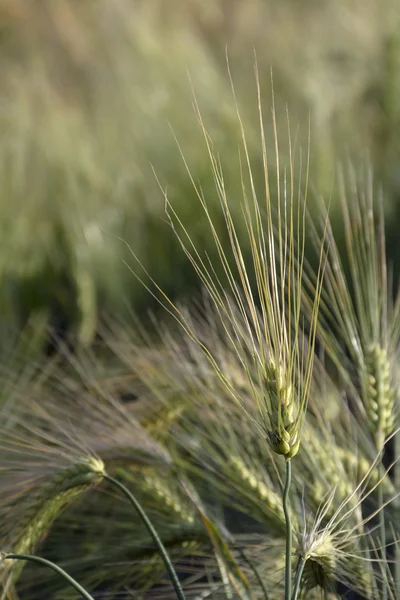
[(199, 307)]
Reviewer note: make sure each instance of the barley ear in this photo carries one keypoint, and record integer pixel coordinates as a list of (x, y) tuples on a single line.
[(379, 393), (316, 563), (379, 406), (259, 488), (283, 437), (43, 507)]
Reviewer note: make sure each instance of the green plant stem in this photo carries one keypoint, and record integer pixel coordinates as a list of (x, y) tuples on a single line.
[(297, 580), (55, 568), (397, 487), (256, 572), (382, 531), (286, 510), (149, 526)]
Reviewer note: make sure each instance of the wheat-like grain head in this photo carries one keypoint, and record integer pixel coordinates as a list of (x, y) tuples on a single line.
[(256, 298), (212, 437), (28, 512), (55, 449), (340, 547), (360, 311)]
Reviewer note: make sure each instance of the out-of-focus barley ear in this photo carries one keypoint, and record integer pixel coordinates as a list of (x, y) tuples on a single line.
[(52, 455), (360, 314), (360, 311), (361, 467), (335, 455), (115, 549), (326, 469), (34, 512), (163, 490), (257, 486)]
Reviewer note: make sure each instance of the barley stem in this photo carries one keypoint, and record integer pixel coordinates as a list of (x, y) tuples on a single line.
[(150, 528), (53, 566), (397, 487), (286, 509), (256, 572), (382, 531), (297, 580)]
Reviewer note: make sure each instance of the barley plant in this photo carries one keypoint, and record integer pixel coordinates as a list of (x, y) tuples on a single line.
[(246, 445)]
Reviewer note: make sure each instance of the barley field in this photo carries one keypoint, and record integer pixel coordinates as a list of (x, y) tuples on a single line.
[(200, 324)]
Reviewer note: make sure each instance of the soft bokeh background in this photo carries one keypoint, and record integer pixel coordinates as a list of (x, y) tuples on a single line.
[(91, 91)]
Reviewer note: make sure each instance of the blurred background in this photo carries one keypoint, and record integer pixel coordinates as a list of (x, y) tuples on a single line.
[(93, 94)]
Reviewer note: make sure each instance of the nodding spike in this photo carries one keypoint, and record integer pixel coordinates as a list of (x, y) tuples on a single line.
[(379, 399)]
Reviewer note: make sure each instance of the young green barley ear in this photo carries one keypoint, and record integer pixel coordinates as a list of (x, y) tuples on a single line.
[(165, 492), (284, 432), (360, 311), (30, 514), (319, 557), (257, 293), (212, 436), (55, 451), (258, 300), (360, 315)]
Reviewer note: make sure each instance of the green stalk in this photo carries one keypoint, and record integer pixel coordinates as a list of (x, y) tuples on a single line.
[(297, 580), (53, 566), (150, 528), (255, 571), (397, 487), (382, 531), (286, 510)]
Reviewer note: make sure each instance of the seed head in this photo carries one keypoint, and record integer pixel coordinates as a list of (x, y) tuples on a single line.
[(283, 436), (29, 513), (338, 545), (379, 393), (360, 314), (319, 554), (254, 282)]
